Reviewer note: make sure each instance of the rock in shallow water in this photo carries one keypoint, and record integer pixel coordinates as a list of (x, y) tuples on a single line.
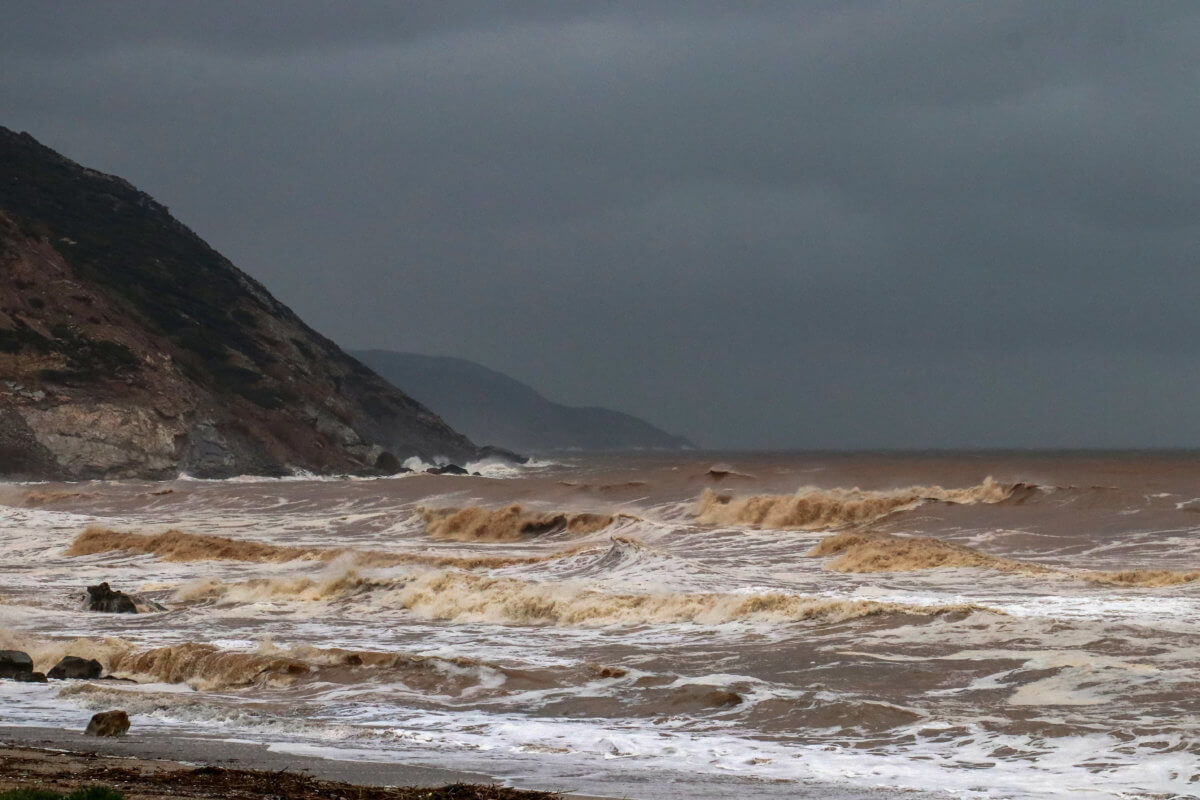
[(75, 668), (103, 598), (108, 723), (16, 665), (30, 677), (448, 469)]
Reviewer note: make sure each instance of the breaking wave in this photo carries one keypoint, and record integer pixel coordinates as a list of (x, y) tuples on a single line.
[(812, 508), (40, 497), (48, 652), (467, 597), (179, 546), (305, 589), (176, 545), (719, 472), (203, 666), (1139, 578), (206, 667), (508, 524), (885, 552)]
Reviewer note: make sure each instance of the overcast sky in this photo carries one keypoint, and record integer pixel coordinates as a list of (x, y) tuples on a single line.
[(757, 224)]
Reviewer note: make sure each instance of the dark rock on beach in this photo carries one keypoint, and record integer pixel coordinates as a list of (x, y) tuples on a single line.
[(108, 723), (75, 668), (103, 598)]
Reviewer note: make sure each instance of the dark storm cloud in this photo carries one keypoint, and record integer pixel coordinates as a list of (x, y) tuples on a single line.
[(760, 224)]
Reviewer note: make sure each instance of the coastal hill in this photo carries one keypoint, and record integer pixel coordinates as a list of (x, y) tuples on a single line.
[(130, 348), (490, 406)]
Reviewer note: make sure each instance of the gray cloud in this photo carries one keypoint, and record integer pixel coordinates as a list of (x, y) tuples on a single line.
[(853, 224)]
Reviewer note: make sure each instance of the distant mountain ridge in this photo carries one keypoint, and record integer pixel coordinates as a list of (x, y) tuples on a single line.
[(130, 348), (490, 406)]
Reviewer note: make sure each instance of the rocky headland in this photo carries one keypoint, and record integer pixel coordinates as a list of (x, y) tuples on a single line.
[(130, 348)]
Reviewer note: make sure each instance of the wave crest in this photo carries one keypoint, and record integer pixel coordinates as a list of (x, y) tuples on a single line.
[(885, 552), (207, 667), (40, 497), (465, 597), (509, 524), (468, 597), (812, 508), (176, 545)]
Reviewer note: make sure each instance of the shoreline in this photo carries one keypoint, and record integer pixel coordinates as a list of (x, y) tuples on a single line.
[(33, 756), (199, 768)]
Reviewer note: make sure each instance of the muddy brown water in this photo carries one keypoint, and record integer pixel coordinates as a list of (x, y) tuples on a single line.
[(694, 642)]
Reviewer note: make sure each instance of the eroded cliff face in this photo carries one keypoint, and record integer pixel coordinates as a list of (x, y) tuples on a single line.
[(128, 347)]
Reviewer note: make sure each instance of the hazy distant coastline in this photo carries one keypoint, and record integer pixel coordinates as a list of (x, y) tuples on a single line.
[(489, 406)]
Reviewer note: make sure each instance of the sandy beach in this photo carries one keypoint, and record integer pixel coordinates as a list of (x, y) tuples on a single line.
[(147, 768), (157, 767)]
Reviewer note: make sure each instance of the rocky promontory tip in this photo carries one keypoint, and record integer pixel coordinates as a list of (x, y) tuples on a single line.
[(130, 348)]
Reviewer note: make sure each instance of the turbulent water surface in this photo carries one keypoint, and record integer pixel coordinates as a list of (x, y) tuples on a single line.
[(656, 626)]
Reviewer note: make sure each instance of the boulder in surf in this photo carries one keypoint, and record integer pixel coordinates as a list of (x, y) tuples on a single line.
[(104, 598), (108, 723), (75, 668), (16, 665)]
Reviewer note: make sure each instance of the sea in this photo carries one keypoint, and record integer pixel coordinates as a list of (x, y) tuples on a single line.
[(651, 625)]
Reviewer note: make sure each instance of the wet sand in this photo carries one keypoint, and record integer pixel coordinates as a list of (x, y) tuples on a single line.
[(159, 767), (233, 755)]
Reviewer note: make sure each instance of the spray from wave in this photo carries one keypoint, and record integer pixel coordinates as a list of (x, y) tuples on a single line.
[(48, 652), (179, 546), (812, 508), (510, 524), (885, 552)]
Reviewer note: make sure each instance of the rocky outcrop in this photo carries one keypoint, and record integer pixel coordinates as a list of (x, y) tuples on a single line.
[(103, 598), (13, 662), (16, 665), (447, 469), (108, 723), (130, 348), (75, 668)]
